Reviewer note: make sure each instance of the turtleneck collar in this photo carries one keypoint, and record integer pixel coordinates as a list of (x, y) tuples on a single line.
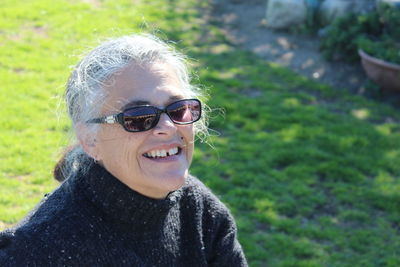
[(123, 205)]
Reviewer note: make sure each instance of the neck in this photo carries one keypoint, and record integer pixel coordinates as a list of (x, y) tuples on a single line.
[(124, 206)]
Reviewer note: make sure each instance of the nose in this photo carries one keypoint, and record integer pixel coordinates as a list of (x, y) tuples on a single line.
[(165, 126)]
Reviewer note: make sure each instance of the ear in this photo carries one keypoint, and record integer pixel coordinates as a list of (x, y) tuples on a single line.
[(87, 140)]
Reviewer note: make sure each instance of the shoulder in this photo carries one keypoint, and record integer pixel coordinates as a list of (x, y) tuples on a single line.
[(38, 237), (199, 191), (218, 227), (213, 210), (6, 239), (31, 245), (45, 242), (15, 245)]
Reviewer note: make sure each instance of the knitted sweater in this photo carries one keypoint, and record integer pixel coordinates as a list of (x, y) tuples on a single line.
[(95, 220)]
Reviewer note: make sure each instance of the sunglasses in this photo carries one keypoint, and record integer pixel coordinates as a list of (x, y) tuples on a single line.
[(146, 117)]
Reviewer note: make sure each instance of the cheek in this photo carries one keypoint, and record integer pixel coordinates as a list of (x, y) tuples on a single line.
[(131, 145), (118, 146), (190, 152), (187, 133)]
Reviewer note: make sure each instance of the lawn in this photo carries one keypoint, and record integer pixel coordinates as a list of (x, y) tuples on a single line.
[(311, 173)]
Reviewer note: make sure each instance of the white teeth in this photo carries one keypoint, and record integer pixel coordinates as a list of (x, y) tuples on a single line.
[(162, 153), (173, 151)]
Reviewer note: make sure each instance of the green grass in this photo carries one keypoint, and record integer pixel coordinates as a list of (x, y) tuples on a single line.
[(311, 173)]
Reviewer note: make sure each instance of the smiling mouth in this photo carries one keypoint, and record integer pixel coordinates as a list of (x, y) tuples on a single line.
[(162, 153)]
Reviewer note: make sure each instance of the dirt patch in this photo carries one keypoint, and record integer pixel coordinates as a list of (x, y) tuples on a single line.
[(4, 225), (244, 24), (41, 31), (94, 3)]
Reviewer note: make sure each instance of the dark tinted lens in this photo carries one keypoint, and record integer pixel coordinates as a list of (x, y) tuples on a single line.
[(139, 119), (184, 111)]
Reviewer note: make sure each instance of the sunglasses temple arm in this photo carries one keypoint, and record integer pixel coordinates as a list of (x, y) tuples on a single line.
[(107, 119)]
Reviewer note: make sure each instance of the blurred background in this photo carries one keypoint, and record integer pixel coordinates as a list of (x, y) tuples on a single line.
[(305, 145)]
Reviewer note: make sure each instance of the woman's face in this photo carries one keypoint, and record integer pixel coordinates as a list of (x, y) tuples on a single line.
[(125, 154)]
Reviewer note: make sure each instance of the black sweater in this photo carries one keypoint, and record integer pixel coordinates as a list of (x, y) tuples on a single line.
[(95, 220)]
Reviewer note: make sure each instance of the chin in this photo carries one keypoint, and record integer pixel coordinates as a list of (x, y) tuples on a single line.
[(173, 183)]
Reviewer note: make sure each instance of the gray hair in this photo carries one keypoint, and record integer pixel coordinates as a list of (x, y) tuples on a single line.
[(84, 92)]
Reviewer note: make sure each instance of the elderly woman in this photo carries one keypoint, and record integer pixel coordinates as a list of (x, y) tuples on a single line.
[(127, 198)]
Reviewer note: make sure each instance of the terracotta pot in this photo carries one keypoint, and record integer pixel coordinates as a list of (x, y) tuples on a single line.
[(385, 74)]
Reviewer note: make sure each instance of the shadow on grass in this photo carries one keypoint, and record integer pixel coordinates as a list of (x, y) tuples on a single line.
[(308, 171)]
